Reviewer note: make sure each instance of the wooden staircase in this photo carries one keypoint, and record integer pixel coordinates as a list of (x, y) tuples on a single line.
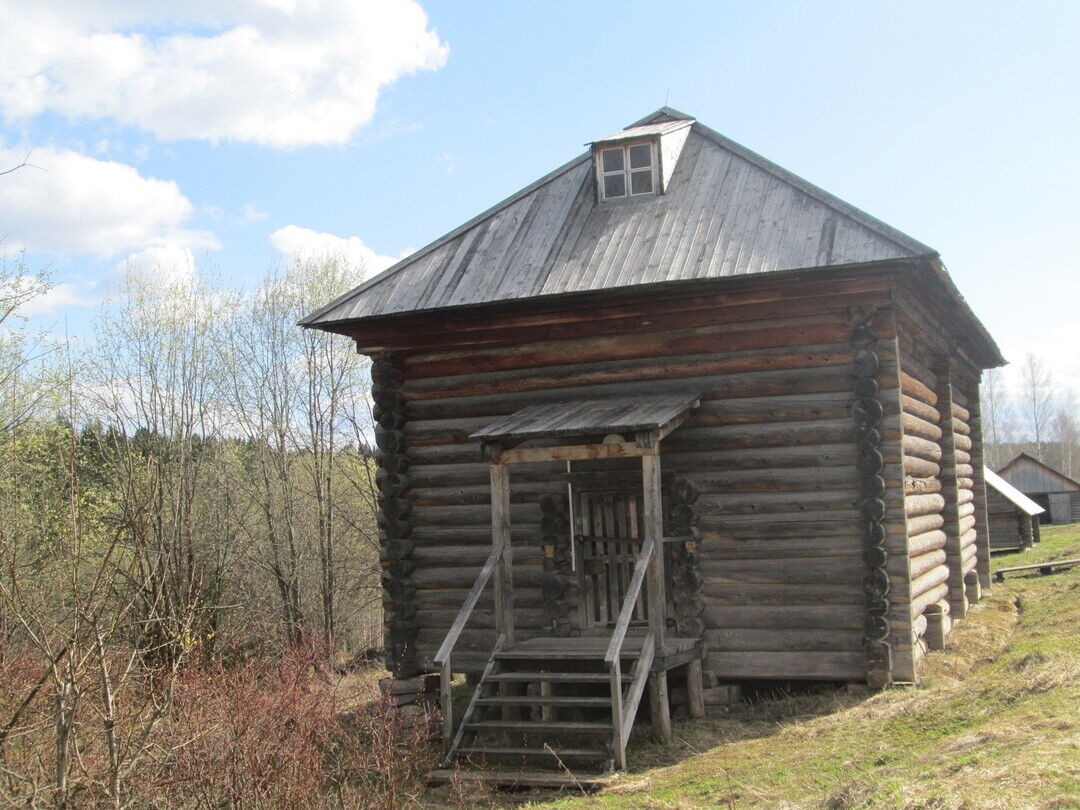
[(547, 717)]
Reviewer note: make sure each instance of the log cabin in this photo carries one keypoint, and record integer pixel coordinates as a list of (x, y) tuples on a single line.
[(1013, 517), (668, 418), (1055, 492)]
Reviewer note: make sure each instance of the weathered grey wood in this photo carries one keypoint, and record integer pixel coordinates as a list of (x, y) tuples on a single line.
[(659, 710), (500, 539), (1042, 568), (618, 742), (695, 690), (452, 744), (638, 676), (653, 528), (580, 452)]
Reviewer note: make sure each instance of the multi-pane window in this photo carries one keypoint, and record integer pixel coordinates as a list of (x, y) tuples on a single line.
[(627, 171)]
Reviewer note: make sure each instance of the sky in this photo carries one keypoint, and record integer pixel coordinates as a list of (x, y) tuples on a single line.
[(177, 139)]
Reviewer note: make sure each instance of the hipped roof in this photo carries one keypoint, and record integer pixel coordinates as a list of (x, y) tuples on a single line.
[(726, 212)]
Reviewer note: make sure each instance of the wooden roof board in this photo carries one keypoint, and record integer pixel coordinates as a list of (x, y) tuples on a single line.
[(1027, 473), (726, 212), (584, 417), (1007, 490)]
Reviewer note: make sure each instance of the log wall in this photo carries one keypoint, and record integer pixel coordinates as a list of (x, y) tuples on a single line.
[(771, 450), (929, 488), (945, 492)]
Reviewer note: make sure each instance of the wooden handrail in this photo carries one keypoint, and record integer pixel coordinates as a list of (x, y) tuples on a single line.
[(633, 590), (467, 607), (442, 657)]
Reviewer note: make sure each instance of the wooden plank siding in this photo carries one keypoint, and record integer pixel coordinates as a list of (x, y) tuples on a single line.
[(771, 449)]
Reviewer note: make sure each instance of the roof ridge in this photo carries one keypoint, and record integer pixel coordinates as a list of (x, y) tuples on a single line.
[(821, 195)]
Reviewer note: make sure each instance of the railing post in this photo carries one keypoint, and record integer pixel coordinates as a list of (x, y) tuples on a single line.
[(619, 749), (654, 530), (445, 678), (500, 535)]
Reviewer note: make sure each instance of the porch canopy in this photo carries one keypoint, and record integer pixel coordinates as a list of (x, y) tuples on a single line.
[(640, 422)]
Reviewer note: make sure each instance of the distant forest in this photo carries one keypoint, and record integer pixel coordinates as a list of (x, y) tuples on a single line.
[(1030, 412)]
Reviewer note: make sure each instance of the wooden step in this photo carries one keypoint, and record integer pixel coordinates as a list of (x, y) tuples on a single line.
[(553, 677), (561, 655), (568, 727), (549, 753), (553, 779), (545, 700)]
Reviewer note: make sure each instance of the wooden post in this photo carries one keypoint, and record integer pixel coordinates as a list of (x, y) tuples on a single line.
[(615, 673), (660, 710), (504, 568), (695, 689), (654, 528)]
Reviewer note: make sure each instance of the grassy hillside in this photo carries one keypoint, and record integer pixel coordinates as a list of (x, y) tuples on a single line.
[(995, 723)]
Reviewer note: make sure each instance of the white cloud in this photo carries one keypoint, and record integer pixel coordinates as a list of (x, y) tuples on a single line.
[(160, 265), (67, 202), (276, 72), (297, 242), (66, 294), (252, 213)]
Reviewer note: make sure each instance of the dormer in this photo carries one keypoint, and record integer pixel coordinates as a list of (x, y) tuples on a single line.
[(638, 161)]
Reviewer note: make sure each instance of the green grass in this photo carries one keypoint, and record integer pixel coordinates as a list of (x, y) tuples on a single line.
[(994, 723)]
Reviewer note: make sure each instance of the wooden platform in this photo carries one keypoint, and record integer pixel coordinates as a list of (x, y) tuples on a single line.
[(676, 652)]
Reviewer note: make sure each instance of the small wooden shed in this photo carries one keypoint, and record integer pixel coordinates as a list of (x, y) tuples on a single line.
[(669, 411), (1055, 492), (1013, 516)]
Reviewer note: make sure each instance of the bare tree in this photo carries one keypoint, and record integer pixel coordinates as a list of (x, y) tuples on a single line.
[(997, 413), (1038, 399), (1066, 433)]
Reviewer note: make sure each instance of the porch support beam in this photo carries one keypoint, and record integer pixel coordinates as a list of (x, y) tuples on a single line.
[(653, 518), (500, 538)]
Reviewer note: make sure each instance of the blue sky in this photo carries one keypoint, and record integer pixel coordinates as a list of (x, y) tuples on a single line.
[(228, 135)]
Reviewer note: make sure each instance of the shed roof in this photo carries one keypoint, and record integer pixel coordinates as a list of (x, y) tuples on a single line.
[(583, 417), (1035, 476), (726, 212), (1018, 498)]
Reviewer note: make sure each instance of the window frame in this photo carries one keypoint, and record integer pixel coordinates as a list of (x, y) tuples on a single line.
[(626, 171)]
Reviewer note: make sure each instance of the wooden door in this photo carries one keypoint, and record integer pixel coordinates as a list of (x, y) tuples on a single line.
[(608, 533)]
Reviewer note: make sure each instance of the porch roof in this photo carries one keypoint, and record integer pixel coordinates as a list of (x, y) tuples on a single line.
[(655, 413)]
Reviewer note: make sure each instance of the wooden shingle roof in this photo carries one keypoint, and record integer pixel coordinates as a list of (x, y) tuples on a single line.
[(725, 212)]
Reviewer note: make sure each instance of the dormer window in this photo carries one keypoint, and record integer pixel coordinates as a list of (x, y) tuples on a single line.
[(627, 170)]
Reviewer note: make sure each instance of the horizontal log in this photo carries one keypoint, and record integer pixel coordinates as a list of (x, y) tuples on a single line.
[(969, 537), (793, 665), (430, 618), (959, 427), (921, 486), (926, 542), (773, 547), (961, 441), (767, 333), (965, 509), (920, 409), (923, 583), (917, 426), (781, 434), (964, 470), (824, 640), (961, 413), (916, 505), (924, 523), (618, 312), (961, 457), (917, 390), (926, 562), (792, 502), (806, 617), (772, 480), (932, 595), (921, 448), (920, 468), (797, 571), (771, 594)]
